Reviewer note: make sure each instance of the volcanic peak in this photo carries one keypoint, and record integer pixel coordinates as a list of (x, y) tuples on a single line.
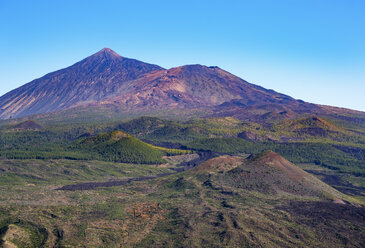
[(107, 53)]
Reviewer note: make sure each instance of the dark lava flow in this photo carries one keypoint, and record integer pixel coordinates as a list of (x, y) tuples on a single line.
[(203, 156)]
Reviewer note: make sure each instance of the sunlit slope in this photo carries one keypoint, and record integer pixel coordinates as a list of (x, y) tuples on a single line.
[(119, 146)]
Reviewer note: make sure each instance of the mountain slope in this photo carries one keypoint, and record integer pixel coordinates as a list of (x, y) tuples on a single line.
[(107, 79), (89, 80), (194, 86)]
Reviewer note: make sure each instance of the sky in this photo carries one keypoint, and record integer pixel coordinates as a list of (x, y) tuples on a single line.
[(312, 50)]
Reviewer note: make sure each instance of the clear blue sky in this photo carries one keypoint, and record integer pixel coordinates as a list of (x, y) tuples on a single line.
[(309, 49)]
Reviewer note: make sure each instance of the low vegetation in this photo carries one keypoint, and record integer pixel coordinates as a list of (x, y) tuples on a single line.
[(207, 206), (119, 146), (228, 201)]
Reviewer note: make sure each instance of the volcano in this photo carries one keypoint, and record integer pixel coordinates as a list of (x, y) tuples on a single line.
[(132, 86)]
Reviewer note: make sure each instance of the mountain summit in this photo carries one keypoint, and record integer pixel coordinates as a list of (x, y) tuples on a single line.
[(131, 86), (89, 80), (108, 53)]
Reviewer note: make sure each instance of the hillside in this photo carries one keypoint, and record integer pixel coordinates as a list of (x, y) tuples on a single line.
[(270, 173), (118, 146)]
